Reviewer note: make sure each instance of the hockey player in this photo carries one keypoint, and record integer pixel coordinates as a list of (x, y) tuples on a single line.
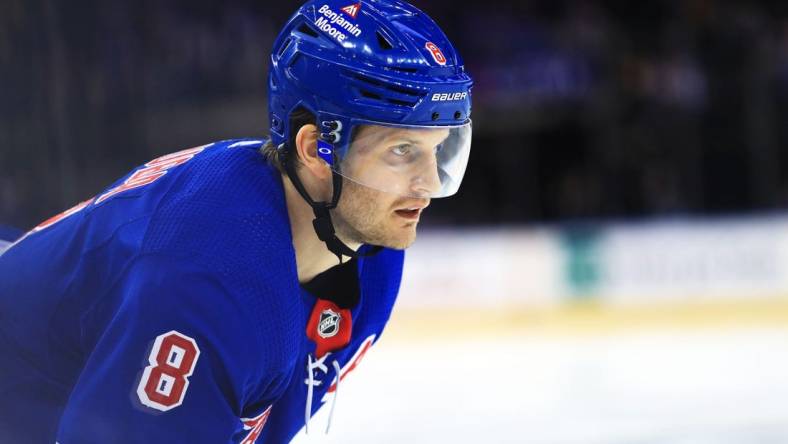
[(222, 293)]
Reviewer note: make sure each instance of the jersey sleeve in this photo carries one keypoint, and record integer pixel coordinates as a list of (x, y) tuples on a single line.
[(172, 359)]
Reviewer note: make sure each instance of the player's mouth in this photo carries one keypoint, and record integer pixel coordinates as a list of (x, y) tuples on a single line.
[(411, 212)]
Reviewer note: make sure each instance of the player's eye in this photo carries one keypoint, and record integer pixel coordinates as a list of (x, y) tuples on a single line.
[(401, 150)]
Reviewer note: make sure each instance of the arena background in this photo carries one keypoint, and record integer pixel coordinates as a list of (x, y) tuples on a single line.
[(615, 266)]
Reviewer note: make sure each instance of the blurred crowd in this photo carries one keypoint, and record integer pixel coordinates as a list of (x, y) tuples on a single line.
[(583, 110)]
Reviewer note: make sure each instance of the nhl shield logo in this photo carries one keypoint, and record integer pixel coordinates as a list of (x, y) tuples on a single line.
[(328, 326)]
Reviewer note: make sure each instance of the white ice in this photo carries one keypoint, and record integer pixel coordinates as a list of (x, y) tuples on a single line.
[(677, 387)]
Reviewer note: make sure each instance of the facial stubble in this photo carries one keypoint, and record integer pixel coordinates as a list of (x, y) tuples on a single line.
[(364, 215)]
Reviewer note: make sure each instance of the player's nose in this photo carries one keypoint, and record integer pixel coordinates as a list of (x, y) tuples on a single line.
[(427, 182)]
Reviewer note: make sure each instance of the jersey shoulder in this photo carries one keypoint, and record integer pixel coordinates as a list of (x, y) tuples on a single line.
[(226, 212), (227, 190)]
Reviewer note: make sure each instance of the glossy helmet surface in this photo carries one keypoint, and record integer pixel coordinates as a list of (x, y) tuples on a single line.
[(373, 61)]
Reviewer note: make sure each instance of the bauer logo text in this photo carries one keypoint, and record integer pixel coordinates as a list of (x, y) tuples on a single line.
[(449, 97)]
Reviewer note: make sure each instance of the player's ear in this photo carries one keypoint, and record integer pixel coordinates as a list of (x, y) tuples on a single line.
[(306, 148)]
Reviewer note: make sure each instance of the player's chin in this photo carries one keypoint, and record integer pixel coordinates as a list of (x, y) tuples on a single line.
[(401, 238)]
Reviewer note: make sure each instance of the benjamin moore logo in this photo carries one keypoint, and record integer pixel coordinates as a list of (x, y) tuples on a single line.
[(352, 10), (335, 25)]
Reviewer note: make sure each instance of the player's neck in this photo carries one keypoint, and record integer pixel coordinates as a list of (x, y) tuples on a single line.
[(312, 255)]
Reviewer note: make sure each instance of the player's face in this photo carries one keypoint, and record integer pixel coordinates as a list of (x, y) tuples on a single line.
[(403, 159)]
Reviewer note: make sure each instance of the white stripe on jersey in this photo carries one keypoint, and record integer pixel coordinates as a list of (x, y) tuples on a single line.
[(246, 143)]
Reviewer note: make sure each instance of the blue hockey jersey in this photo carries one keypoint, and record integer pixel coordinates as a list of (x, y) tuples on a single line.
[(167, 309)]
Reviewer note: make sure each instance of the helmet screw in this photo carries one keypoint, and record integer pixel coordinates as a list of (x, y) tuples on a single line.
[(457, 114), (329, 137), (330, 124), (435, 116)]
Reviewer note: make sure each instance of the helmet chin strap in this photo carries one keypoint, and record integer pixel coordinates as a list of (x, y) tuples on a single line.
[(322, 223)]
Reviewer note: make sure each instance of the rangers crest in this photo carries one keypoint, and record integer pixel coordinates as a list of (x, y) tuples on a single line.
[(436, 53)]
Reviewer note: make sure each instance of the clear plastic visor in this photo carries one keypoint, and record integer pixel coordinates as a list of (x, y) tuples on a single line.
[(408, 161)]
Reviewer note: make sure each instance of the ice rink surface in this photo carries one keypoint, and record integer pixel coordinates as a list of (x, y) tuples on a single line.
[(704, 386)]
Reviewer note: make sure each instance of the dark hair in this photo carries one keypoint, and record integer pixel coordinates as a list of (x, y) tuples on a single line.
[(298, 118)]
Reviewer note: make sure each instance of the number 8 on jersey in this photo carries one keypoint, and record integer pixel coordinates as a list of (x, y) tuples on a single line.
[(164, 382)]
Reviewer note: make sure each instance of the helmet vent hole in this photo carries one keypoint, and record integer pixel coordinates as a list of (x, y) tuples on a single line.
[(404, 69), (284, 47), (370, 95), (306, 29), (400, 102), (384, 42)]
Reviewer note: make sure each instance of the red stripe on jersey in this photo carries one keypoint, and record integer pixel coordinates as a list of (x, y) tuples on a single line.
[(256, 425)]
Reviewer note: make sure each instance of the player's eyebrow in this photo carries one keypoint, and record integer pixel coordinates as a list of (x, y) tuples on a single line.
[(399, 140), (406, 139)]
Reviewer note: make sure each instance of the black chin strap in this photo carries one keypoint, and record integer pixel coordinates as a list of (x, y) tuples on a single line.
[(324, 227)]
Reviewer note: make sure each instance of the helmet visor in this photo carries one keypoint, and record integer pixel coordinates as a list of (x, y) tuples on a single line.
[(408, 161)]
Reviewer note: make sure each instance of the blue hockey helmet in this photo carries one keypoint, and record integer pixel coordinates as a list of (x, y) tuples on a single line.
[(389, 92)]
